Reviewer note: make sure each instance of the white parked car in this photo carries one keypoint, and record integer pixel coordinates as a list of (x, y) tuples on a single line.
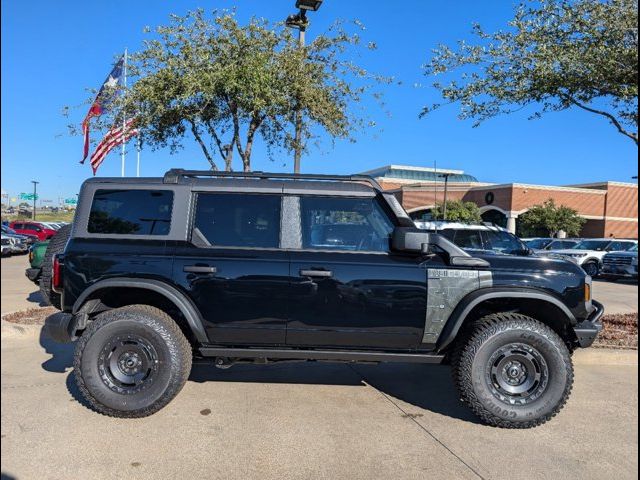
[(589, 253), (485, 239), (541, 244)]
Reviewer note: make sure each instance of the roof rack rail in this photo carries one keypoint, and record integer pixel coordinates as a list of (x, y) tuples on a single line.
[(173, 176)]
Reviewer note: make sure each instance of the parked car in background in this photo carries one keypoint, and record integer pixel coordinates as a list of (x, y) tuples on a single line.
[(27, 238), (542, 244), (33, 228), (479, 238), (589, 254), (16, 245), (617, 265), (6, 246), (51, 225), (36, 257)]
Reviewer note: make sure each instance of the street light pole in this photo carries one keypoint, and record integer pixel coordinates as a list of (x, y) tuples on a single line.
[(301, 22), (35, 195), (446, 188)]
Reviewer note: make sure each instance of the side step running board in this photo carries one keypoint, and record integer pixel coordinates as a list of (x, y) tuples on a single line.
[(331, 355)]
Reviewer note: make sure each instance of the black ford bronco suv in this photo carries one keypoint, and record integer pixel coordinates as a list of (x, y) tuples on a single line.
[(231, 267)]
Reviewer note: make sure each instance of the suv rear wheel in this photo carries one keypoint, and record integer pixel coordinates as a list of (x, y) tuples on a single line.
[(513, 371), (132, 361)]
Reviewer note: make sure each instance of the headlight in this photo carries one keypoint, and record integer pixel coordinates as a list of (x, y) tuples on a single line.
[(634, 261), (577, 255)]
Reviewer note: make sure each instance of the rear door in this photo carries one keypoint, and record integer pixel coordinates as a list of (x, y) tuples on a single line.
[(348, 289), (234, 269)]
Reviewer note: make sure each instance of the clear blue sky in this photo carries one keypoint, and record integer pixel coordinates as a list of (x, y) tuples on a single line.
[(53, 51)]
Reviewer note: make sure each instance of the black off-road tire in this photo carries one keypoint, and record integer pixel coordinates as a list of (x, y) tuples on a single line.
[(488, 346), (56, 245), (139, 328)]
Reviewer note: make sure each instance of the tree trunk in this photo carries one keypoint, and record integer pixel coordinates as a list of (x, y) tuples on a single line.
[(196, 134)]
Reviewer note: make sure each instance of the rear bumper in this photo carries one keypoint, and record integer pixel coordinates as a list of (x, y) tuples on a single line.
[(587, 330), (33, 274)]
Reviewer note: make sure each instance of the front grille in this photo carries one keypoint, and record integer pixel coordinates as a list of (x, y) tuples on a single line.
[(617, 260)]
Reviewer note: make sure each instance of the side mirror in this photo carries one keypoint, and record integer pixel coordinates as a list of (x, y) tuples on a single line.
[(406, 239)]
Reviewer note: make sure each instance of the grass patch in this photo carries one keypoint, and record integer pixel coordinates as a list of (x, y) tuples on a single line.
[(42, 217)]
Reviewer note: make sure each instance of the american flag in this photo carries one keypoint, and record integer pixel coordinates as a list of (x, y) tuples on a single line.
[(116, 136), (105, 96)]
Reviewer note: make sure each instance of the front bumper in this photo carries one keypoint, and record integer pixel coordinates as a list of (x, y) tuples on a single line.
[(587, 330), (626, 271), (33, 274)]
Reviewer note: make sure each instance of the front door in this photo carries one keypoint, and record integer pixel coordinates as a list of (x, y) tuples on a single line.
[(348, 289), (234, 269)]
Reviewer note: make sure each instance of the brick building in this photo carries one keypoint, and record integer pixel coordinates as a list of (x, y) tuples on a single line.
[(610, 208)]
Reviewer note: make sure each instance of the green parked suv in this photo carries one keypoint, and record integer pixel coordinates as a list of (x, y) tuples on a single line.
[(37, 252)]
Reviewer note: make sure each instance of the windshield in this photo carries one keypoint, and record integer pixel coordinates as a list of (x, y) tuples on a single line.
[(597, 245), (538, 243), (504, 242), (634, 248)]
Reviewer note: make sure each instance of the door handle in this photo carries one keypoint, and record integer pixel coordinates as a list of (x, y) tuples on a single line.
[(199, 269), (316, 273)]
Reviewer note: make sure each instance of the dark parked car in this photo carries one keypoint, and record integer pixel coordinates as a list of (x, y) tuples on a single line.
[(232, 267)]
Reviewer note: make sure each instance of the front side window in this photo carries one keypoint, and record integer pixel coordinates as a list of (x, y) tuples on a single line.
[(344, 224), (235, 220), (131, 212), (503, 242)]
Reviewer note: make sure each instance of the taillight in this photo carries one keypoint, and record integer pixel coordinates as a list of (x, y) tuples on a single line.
[(56, 274)]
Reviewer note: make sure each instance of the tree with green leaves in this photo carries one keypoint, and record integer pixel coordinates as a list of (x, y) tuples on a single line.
[(552, 219), (458, 211), (224, 84), (554, 55)]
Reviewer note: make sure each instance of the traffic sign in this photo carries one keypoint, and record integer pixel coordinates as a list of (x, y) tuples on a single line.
[(70, 201), (28, 196)]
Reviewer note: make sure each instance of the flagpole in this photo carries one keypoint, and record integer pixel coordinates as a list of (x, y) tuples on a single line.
[(124, 116), (138, 159)]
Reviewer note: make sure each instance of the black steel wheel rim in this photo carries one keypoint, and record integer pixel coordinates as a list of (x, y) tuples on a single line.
[(517, 374), (128, 364)]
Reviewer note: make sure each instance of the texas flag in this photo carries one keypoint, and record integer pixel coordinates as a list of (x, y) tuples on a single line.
[(107, 93)]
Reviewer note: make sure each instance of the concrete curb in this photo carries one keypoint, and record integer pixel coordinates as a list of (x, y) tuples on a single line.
[(588, 356)]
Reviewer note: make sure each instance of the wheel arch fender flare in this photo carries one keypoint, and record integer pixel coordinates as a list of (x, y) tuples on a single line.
[(179, 299), (473, 299)]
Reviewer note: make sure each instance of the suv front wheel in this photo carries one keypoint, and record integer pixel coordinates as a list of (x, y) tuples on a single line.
[(513, 371), (132, 361)]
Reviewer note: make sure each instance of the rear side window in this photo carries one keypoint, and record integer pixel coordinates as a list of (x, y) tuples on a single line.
[(237, 220), (469, 239), (344, 224), (131, 212)]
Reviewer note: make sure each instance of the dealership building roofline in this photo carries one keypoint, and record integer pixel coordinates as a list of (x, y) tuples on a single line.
[(610, 208)]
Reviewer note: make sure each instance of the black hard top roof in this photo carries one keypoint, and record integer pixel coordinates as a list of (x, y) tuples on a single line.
[(255, 181)]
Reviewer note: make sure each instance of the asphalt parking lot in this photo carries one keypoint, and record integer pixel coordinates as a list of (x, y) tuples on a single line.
[(310, 420)]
